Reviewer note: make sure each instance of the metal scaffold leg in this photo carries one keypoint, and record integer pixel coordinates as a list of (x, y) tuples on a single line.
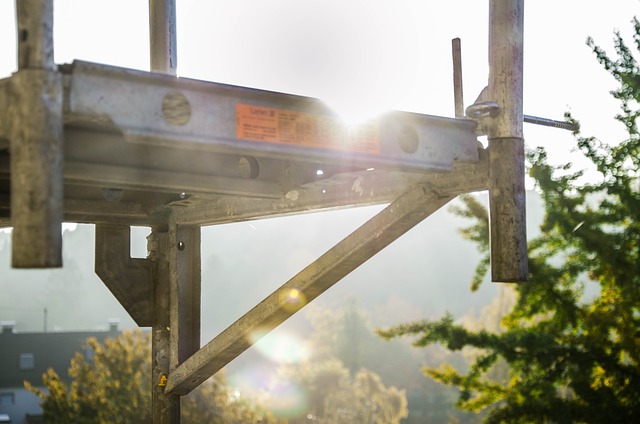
[(176, 317), (165, 408), (176, 327), (36, 141), (506, 143), (184, 278)]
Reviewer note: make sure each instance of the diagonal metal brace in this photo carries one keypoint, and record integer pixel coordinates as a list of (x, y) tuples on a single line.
[(129, 279), (373, 236)]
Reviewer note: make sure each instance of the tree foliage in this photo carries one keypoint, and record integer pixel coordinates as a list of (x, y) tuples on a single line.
[(214, 402), (572, 340), (336, 396), (345, 337), (111, 383), (347, 334)]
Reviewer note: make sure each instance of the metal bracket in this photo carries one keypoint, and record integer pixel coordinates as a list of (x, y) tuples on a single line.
[(129, 279), (399, 217), (482, 109)]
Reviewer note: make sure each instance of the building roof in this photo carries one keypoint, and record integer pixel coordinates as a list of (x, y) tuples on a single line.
[(48, 350)]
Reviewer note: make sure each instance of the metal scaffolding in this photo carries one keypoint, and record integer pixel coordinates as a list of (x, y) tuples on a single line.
[(114, 147)]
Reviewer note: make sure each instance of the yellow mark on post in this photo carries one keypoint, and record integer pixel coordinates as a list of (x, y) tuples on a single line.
[(163, 380)]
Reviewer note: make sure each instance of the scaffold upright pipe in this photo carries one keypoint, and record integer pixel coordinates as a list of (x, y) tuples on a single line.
[(162, 36), (506, 143), (164, 348), (36, 137)]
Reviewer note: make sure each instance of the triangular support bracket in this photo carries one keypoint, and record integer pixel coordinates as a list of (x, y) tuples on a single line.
[(129, 279)]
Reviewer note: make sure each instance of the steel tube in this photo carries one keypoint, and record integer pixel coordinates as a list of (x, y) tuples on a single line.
[(456, 52), (34, 97), (164, 349), (506, 143), (505, 66), (185, 290), (35, 29), (165, 408), (162, 36)]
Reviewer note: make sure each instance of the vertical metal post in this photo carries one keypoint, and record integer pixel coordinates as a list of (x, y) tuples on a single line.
[(176, 329), (176, 321), (185, 282), (165, 408), (162, 30), (456, 53), (36, 137), (506, 142)]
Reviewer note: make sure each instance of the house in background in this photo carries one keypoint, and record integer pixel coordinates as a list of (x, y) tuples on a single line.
[(26, 356)]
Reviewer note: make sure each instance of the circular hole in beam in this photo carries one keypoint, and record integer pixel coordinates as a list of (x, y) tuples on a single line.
[(408, 139), (176, 109), (248, 167)]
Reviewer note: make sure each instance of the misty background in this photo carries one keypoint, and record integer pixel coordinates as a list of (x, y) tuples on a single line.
[(423, 274)]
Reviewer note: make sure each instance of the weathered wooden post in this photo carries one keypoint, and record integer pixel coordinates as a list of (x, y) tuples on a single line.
[(506, 142), (36, 141)]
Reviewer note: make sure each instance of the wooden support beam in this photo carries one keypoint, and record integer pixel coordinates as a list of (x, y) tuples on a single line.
[(400, 216), (129, 279)]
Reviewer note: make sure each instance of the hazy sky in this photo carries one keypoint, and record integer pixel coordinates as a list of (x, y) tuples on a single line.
[(362, 55)]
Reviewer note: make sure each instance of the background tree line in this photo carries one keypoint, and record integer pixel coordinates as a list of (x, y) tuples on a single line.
[(112, 384)]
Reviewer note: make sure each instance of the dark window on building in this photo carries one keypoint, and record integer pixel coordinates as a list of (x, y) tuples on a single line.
[(88, 353), (26, 361)]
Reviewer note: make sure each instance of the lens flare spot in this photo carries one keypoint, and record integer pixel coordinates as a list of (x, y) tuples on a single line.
[(292, 300), (354, 111), (252, 382), (284, 398), (281, 347)]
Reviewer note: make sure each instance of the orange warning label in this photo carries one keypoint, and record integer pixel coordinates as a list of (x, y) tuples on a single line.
[(260, 123)]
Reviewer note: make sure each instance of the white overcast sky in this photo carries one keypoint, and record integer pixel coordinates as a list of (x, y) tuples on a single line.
[(368, 55)]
